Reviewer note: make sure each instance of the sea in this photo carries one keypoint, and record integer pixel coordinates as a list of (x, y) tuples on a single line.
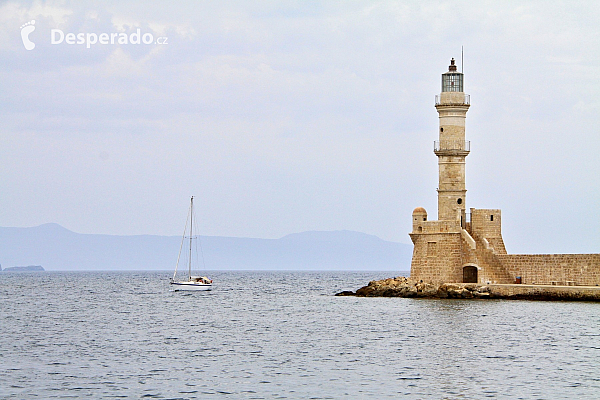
[(283, 335)]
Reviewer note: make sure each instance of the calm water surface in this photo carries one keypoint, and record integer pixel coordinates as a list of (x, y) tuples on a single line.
[(283, 335)]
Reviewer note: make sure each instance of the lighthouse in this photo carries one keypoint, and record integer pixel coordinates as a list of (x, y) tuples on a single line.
[(439, 253), (452, 149), (468, 247)]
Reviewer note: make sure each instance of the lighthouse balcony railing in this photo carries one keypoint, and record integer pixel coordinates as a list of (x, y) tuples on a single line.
[(454, 99), (452, 145)]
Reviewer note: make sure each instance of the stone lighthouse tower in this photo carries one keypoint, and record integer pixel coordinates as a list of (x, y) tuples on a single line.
[(457, 247), (439, 253), (451, 149), (468, 247)]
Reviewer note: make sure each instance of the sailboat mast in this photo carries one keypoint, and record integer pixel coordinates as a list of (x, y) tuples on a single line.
[(191, 230)]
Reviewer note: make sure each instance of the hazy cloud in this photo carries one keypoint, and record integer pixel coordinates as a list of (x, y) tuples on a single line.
[(290, 116)]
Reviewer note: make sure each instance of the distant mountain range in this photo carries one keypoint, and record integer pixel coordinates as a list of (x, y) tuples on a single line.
[(58, 249)]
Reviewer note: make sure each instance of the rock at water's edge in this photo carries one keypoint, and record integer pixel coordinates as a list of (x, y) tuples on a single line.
[(407, 287)]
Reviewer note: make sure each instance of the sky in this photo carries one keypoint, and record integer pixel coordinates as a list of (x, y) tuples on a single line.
[(288, 116)]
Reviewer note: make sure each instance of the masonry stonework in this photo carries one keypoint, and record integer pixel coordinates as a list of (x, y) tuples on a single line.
[(468, 247)]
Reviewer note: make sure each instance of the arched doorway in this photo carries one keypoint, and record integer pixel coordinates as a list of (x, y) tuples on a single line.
[(470, 274)]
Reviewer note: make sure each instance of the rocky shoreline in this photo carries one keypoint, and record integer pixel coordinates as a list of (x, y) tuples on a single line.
[(407, 287)]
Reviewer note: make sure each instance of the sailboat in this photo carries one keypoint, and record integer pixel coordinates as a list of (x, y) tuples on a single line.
[(192, 282)]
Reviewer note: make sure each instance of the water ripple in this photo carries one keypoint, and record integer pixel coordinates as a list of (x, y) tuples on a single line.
[(283, 335)]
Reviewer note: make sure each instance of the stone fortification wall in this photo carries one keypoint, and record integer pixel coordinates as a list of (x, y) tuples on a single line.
[(560, 269), (439, 226), (487, 224), (437, 257)]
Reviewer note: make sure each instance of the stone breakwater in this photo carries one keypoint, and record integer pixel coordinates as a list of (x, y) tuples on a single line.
[(406, 287)]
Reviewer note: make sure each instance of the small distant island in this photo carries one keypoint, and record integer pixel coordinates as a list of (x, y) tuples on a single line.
[(23, 269)]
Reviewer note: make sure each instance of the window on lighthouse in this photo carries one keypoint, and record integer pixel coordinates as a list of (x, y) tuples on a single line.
[(452, 82)]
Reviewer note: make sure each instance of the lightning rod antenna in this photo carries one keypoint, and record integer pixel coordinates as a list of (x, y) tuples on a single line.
[(462, 60)]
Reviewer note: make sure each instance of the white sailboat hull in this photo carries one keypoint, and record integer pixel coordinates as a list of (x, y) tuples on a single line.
[(191, 282), (191, 285)]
